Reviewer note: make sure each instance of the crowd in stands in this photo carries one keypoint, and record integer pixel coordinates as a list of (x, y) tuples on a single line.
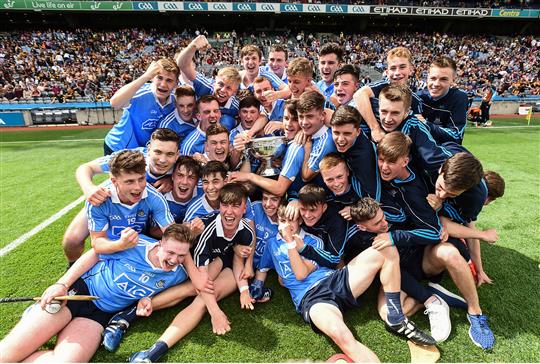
[(69, 65)]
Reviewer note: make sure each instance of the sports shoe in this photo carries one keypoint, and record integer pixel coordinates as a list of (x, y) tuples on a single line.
[(266, 295), (479, 332), (488, 123), (452, 299), (140, 357), (408, 330), (114, 332), (439, 319)]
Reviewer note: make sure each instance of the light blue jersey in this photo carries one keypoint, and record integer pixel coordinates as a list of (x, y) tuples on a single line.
[(284, 78), (291, 168), (113, 216), (229, 111), (200, 207), (322, 145), (179, 209), (139, 120), (276, 256), (275, 81), (174, 122), (150, 177), (326, 90), (122, 278), (264, 229), (193, 143)]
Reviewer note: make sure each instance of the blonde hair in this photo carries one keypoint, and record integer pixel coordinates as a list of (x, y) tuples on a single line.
[(401, 52), (230, 74), (300, 67)]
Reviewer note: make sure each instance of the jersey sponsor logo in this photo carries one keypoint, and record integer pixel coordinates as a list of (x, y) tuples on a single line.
[(133, 288), (149, 124), (285, 269), (114, 217), (137, 226)]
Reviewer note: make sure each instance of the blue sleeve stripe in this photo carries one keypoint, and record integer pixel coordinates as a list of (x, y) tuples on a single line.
[(378, 180), (453, 213), (206, 82)]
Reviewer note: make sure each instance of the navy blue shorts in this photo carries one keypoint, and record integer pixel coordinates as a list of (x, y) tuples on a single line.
[(333, 290), (87, 309)]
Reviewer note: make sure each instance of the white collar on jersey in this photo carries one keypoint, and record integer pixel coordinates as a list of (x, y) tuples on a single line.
[(319, 133), (170, 99), (228, 103), (150, 246), (221, 233), (193, 121), (116, 199), (206, 204)]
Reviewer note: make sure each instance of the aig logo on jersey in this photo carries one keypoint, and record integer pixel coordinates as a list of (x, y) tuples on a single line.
[(133, 288)]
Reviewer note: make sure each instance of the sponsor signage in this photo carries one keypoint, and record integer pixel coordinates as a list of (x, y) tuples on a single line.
[(336, 9), (429, 11), (314, 8), (170, 5), (291, 8), (145, 5), (516, 13), (274, 8), (11, 119), (220, 7), (358, 9), (243, 7), (191, 6), (106, 5)]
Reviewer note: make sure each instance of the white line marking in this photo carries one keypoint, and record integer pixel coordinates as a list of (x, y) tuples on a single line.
[(52, 141), (21, 239), (503, 127)]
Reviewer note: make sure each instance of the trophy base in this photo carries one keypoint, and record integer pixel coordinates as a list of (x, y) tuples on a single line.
[(270, 172)]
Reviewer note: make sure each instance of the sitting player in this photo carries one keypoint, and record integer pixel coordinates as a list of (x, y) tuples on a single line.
[(154, 265)]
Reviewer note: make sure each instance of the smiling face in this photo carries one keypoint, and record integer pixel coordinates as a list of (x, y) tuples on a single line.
[(212, 184), (270, 204), (184, 182), (164, 83), (162, 156), (344, 87), (231, 214), (298, 84), (251, 63), (311, 121), (224, 89), (185, 105), (376, 225), (171, 253), (208, 114), (248, 116), (392, 170), (277, 62), (392, 113), (399, 69), (129, 186), (439, 81), (311, 214), (217, 147), (259, 90), (328, 64), (290, 125), (344, 136), (336, 178)]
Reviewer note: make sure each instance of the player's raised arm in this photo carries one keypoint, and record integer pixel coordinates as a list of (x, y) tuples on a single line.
[(362, 100), (123, 96), (185, 59)]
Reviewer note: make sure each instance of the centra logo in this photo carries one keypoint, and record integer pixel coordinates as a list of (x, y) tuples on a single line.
[(513, 13), (195, 6), (218, 6)]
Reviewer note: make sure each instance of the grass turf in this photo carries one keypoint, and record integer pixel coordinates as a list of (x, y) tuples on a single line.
[(36, 180)]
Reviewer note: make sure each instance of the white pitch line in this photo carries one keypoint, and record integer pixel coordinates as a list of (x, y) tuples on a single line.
[(52, 141), (21, 239), (503, 127)]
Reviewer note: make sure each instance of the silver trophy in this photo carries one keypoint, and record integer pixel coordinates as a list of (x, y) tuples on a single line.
[(267, 149)]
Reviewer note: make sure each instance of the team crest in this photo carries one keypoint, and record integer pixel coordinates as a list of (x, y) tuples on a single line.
[(140, 213), (160, 283)]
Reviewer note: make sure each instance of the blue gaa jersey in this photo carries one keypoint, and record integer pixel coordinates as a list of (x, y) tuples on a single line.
[(200, 207), (253, 162), (174, 122), (264, 229), (276, 256), (446, 116), (113, 216), (376, 87), (411, 194), (229, 111), (139, 120), (291, 168), (326, 90), (276, 114), (193, 143), (122, 278), (150, 177), (179, 209), (275, 81), (284, 78), (322, 145)]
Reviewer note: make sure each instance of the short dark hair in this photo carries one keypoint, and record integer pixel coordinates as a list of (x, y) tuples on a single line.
[(191, 165), (179, 232), (348, 69), (279, 48), (249, 101), (232, 193), (444, 62), (127, 161), (330, 48), (184, 91), (165, 135), (462, 171), (397, 92), (495, 184), (311, 195), (206, 99), (394, 145), (216, 129), (214, 167), (290, 105), (310, 100), (346, 114), (364, 209)]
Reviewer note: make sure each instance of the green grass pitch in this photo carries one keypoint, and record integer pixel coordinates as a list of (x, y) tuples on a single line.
[(37, 180)]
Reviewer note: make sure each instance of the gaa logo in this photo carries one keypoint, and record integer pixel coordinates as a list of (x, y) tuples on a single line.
[(195, 6), (219, 6), (336, 9), (145, 6), (268, 7), (290, 7), (170, 6), (358, 9), (315, 8), (244, 7)]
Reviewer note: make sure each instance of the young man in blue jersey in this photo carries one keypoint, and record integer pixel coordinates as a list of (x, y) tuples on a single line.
[(223, 87), (182, 120), (329, 60), (444, 107), (346, 83), (145, 106), (208, 113), (216, 146), (411, 193), (277, 61), (273, 110), (161, 155), (399, 70), (290, 179), (321, 295), (118, 279), (213, 254)]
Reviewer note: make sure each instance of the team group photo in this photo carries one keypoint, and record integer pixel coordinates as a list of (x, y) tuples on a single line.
[(259, 181)]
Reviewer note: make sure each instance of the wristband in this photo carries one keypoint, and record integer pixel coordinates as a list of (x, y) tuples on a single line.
[(62, 284), (243, 288), (291, 245)]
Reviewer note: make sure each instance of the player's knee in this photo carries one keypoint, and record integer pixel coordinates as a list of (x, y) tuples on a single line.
[(451, 256), (339, 333)]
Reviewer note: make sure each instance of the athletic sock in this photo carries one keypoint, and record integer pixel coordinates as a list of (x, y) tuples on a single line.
[(393, 303), (156, 351), (129, 315)]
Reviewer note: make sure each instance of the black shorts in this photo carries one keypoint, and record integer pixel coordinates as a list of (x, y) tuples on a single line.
[(410, 259), (87, 309), (333, 290)]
